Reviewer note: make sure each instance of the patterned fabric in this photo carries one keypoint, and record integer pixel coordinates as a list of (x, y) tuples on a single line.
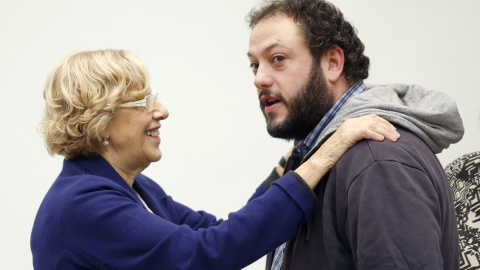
[(278, 258), (306, 145), (464, 177)]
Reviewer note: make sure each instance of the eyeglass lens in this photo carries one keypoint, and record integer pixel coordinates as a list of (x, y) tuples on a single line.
[(150, 102)]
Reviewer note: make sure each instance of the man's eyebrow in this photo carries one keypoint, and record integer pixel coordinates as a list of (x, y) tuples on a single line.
[(269, 48)]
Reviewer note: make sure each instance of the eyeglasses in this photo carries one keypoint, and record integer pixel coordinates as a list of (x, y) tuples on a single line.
[(148, 102)]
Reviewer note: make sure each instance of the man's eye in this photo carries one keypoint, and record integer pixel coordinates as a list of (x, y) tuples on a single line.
[(254, 67), (278, 59)]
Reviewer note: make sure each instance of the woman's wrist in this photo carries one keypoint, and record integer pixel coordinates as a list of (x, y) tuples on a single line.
[(313, 170)]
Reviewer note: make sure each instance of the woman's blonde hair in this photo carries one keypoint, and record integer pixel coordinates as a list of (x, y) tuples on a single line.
[(82, 93)]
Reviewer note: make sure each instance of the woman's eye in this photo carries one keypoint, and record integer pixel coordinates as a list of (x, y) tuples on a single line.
[(278, 58)]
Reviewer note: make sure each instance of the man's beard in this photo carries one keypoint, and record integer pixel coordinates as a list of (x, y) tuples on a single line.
[(305, 109)]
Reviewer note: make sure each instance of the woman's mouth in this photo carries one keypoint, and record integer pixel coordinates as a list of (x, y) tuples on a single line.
[(153, 133)]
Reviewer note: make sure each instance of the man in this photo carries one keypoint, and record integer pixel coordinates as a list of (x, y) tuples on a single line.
[(384, 205)]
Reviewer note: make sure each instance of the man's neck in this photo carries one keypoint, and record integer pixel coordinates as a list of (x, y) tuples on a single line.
[(304, 146)]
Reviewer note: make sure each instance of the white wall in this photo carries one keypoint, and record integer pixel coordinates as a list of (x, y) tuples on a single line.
[(216, 150)]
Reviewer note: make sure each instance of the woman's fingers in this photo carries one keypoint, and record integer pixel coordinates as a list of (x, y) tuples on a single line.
[(368, 127), (382, 128)]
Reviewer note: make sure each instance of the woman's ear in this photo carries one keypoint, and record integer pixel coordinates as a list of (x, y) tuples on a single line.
[(105, 134), (332, 63)]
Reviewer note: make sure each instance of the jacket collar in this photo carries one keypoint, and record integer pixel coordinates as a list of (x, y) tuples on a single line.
[(98, 166)]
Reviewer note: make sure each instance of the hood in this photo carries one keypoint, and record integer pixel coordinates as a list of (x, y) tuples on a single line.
[(431, 115)]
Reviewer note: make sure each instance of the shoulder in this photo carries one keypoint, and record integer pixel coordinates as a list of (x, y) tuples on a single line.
[(79, 195), (409, 151), (85, 176), (74, 199), (387, 170), (77, 185)]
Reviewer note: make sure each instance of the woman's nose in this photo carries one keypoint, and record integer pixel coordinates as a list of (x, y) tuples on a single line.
[(160, 112)]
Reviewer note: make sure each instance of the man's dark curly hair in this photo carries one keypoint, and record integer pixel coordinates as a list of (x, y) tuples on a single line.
[(323, 26)]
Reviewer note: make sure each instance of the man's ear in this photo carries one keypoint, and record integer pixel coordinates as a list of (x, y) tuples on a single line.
[(332, 63)]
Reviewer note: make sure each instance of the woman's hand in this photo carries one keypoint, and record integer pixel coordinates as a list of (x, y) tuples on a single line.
[(281, 167), (351, 131)]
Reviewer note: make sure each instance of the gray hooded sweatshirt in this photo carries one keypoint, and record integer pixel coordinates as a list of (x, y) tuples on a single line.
[(431, 115), (386, 205)]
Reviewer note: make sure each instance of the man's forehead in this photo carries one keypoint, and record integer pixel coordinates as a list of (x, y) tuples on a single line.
[(278, 31)]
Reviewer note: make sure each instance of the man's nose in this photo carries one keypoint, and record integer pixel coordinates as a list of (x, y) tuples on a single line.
[(263, 78)]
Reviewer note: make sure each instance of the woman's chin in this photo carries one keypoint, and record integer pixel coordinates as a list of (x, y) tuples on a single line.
[(158, 157), (153, 155)]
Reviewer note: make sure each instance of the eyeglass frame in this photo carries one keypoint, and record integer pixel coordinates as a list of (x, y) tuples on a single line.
[(141, 103)]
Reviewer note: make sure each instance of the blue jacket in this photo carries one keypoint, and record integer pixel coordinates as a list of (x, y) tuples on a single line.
[(92, 219)]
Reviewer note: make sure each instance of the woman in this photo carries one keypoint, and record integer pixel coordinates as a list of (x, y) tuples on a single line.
[(102, 213)]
